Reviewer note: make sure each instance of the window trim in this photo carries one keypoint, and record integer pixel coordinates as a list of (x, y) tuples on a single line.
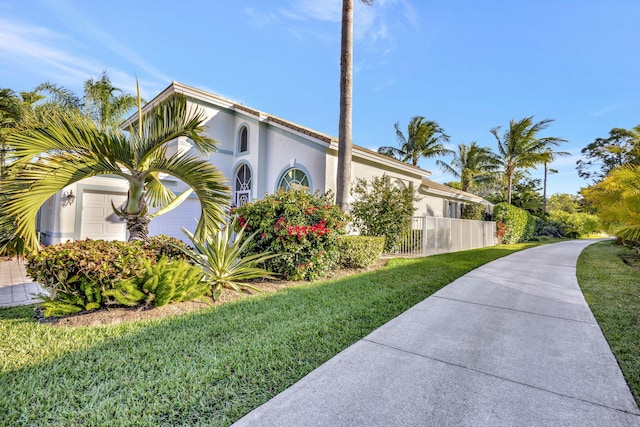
[(299, 167)]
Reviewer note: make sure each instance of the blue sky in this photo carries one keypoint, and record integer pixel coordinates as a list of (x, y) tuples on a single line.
[(470, 65)]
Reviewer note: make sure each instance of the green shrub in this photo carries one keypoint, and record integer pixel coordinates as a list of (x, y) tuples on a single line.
[(66, 267), (382, 209), (474, 211), (360, 251), (158, 284), (166, 245), (519, 224), (574, 225), (90, 274), (300, 227)]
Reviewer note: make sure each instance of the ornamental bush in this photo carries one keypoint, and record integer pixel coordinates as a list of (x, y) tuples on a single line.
[(382, 209), (575, 224), (360, 251), (85, 274), (300, 227), (519, 225)]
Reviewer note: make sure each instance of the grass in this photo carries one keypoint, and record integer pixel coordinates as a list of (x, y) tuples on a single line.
[(612, 290), (209, 367)]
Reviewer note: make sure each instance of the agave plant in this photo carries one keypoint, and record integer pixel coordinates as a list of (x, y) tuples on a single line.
[(220, 256)]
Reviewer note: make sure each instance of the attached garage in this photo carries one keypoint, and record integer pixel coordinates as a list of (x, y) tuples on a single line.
[(185, 215), (98, 221)]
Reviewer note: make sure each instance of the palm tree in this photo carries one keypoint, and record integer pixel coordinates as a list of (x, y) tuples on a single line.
[(519, 147), (472, 165), (103, 104), (425, 138), (345, 144), (72, 148), (10, 116), (550, 158)]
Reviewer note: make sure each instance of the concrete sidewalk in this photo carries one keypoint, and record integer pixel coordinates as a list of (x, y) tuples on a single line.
[(511, 343), (16, 288)]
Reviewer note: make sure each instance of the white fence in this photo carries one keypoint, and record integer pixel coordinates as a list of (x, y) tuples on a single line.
[(433, 235)]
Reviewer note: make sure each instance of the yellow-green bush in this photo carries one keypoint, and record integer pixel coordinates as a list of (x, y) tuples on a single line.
[(360, 251)]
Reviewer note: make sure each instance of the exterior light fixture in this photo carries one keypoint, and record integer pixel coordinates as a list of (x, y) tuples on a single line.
[(68, 198)]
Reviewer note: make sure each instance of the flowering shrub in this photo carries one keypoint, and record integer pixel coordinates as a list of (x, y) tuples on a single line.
[(501, 231), (302, 228)]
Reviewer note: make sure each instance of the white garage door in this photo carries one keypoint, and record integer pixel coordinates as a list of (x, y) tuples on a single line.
[(185, 215), (99, 222)]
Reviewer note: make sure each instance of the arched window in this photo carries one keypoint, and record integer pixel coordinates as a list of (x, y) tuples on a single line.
[(243, 142), (293, 179), (242, 186)]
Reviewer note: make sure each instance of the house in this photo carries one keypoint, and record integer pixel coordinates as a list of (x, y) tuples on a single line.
[(259, 153)]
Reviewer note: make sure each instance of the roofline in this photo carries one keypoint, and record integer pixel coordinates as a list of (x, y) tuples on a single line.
[(445, 190), (327, 140)]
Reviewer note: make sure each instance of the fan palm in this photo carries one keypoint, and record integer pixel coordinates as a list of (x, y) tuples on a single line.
[(519, 147), (71, 148), (472, 165), (425, 138)]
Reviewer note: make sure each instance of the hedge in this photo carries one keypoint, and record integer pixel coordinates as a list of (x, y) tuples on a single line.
[(360, 251), (520, 224)]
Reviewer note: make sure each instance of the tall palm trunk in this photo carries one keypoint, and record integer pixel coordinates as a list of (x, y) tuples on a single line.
[(544, 190), (343, 179)]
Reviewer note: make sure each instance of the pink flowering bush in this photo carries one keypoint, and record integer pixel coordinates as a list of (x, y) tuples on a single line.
[(302, 228)]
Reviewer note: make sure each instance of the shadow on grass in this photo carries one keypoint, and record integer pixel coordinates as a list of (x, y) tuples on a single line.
[(209, 367)]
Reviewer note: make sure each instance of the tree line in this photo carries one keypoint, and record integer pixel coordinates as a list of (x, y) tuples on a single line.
[(497, 176)]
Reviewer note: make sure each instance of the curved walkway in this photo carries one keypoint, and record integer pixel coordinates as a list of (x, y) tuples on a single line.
[(510, 343)]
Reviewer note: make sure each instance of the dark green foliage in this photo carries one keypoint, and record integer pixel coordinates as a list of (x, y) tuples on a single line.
[(520, 225), (574, 225), (298, 226), (474, 211), (91, 274), (166, 245), (382, 209), (360, 251)]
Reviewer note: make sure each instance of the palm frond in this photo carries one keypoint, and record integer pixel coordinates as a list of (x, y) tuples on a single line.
[(209, 184)]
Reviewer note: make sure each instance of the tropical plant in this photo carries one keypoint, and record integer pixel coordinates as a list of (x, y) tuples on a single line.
[(71, 148), (222, 257), (425, 138), (520, 147), (345, 144), (617, 200), (158, 284), (382, 209), (104, 105), (621, 147), (301, 227), (472, 165)]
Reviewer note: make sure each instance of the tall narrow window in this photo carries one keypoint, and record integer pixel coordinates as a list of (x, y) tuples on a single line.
[(293, 178), (244, 142), (242, 186)]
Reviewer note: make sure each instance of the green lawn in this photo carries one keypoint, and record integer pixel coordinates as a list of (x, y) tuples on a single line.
[(210, 367), (612, 290)]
